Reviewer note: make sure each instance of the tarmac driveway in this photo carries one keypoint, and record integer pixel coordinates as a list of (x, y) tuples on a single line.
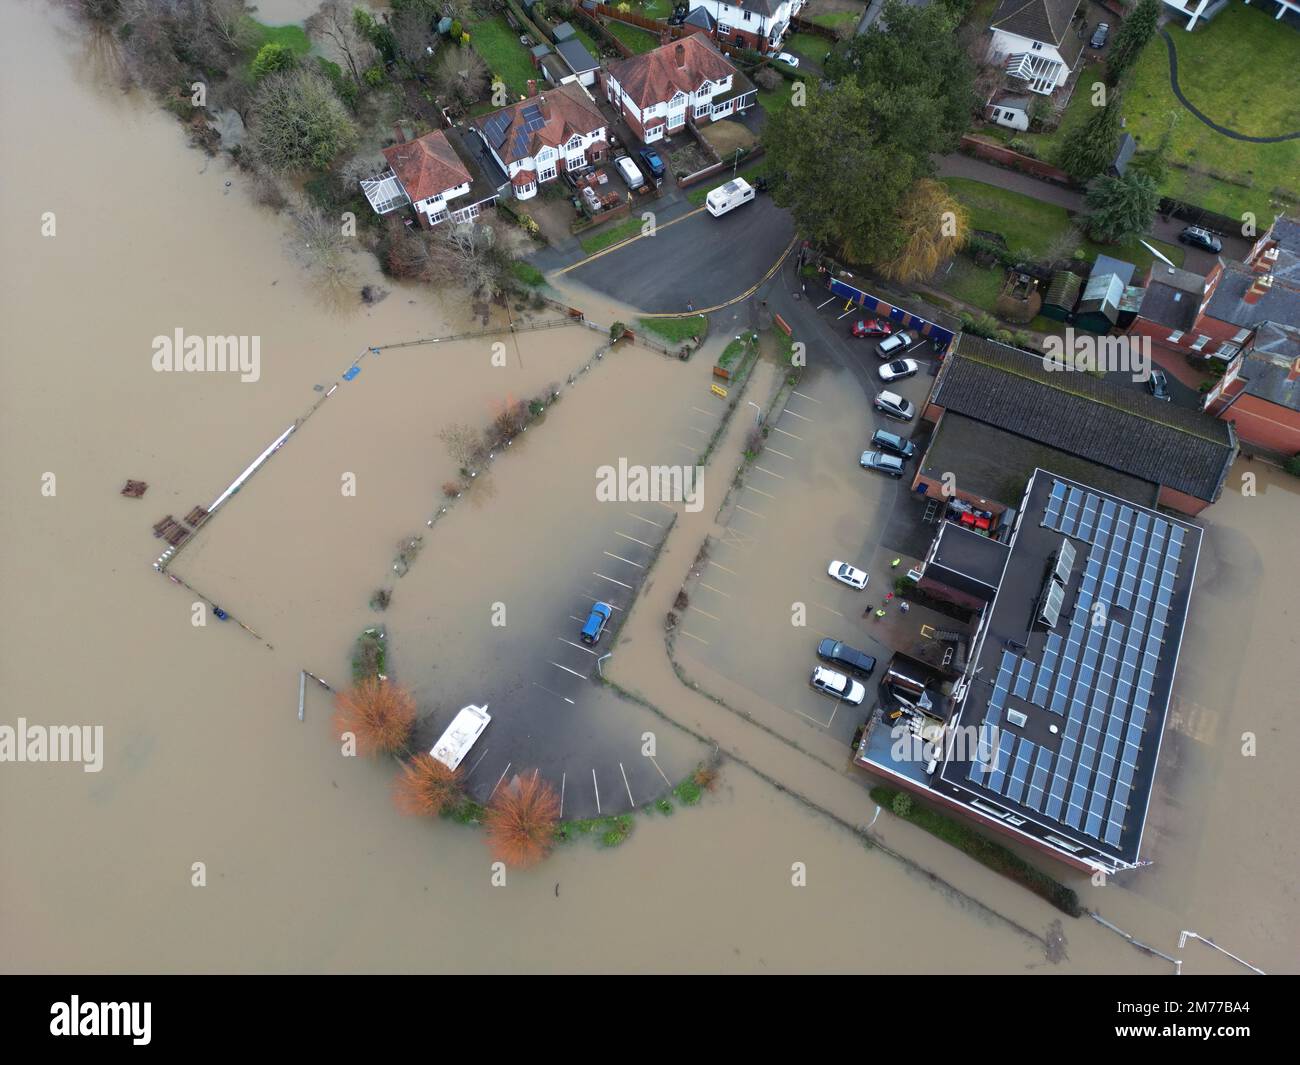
[(693, 260)]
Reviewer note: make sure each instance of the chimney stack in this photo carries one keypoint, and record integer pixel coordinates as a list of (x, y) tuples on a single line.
[(1258, 289), (544, 107), (1266, 260), (532, 86), (680, 54), (1294, 373)]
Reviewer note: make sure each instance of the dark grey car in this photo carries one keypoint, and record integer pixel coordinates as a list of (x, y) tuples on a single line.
[(882, 462), (835, 653), (893, 443)]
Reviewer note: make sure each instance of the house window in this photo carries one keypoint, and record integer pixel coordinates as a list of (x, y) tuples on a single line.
[(997, 113), (702, 109), (547, 172), (748, 15), (1073, 847), (440, 215), (679, 119), (1199, 343), (1038, 47), (654, 133), (1241, 336), (1175, 336)]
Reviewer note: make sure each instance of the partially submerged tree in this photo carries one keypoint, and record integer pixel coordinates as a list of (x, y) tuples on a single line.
[(1121, 207), (426, 787), (379, 713), (472, 254), (935, 226), (460, 74), (334, 25), (520, 821), (272, 58), (299, 122)]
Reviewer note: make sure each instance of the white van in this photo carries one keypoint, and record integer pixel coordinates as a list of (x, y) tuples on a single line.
[(729, 196), (466, 727), (628, 171)]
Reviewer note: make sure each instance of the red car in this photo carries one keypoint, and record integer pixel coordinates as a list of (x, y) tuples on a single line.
[(872, 327)]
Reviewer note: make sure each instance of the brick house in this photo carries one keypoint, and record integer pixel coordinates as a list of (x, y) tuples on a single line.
[(1037, 42), (659, 91), (536, 138)]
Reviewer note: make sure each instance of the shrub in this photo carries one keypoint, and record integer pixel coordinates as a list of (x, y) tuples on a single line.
[(272, 58), (768, 79), (378, 713), (374, 76), (1292, 466), (521, 820), (902, 804), (450, 489), (426, 787)]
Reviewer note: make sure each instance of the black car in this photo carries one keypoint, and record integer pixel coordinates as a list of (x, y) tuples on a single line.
[(654, 163), (1201, 238), (893, 443), (848, 658), (1158, 385), (1099, 35)]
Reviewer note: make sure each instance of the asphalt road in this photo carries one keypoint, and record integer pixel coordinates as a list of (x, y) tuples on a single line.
[(699, 260)]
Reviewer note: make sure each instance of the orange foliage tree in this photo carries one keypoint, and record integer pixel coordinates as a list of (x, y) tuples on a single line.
[(378, 712), (521, 819), (426, 787)]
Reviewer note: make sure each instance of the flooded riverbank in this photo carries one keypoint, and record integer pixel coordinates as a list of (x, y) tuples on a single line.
[(308, 866)]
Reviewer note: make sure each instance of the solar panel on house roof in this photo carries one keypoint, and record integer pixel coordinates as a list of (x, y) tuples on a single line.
[(1046, 669), (1065, 561), (1052, 513), (1023, 678), (1071, 514), (495, 129), (999, 768), (1041, 767), (1019, 770), (532, 118)]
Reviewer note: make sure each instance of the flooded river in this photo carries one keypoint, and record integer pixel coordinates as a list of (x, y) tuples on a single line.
[(308, 867)]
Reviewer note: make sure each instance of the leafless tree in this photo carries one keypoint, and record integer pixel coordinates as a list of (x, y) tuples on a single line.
[(333, 24), (471, 254), (325, 246), (461, 74), (413, 34), (230, 23), (464, 444)]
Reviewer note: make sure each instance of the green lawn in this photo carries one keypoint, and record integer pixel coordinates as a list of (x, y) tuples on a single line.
[(657, 8), (700, 193), (637, 39), (588, 41), (810, 46), (1046, 145), (294, 37), (629, 227), (973, 284), (502, 52), (676, 330), (1239, 70), (1030, 226), (779, 100), (836, 19)]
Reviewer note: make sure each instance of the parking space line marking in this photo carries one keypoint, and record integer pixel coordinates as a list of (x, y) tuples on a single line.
[(667, 506), (556, 694), (610, 579), (795, 392), (748, 511), (568, 670), (706, 413), (725, 595), (723, 568), (478, 763), (626, 784), (646, 520), (499, 779), (781, 453), (622, 559), (576, 646), (820, 724), (661, 772), (778, 429), (826, 608), (596, 785), (635, 540), (694, 637), (562, 778), (705, 613), (824, 302), (851, 310), (778, 476), (794, 415), (760, 491), (685, 447), (694, 429)]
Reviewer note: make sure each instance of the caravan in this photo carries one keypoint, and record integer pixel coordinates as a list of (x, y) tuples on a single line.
[(465, 728), (729, 196)]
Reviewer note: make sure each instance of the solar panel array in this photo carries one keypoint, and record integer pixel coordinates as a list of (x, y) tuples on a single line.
[(494, 129), (1099, 676)]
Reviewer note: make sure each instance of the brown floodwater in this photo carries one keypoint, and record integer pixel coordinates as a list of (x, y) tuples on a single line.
[(308, 866)]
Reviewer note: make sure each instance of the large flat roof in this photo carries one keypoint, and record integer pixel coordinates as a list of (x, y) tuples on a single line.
[(1074, 713)]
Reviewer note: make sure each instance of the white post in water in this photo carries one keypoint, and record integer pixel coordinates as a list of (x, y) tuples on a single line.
[(302, 691)]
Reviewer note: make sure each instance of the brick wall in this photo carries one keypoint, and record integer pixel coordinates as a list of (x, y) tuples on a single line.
[(995, 153)]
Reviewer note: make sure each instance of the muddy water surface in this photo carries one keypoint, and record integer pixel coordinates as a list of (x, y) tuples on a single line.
[(307, 865)]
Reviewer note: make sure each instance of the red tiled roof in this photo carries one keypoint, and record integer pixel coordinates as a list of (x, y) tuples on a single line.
[(656, 76), (427, 166), (524, 177), (567, 110)]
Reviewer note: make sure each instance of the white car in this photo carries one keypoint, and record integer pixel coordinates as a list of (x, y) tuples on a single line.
[(850, 575), (788, 59), (838, 685), (898, 369)]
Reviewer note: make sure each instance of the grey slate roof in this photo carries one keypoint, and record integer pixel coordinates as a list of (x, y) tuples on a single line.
[(1039, 20), (1169, 305), (1280, 304), (1269, 367), (1120, 428), (577, 56)]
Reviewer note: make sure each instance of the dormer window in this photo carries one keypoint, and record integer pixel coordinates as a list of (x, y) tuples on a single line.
[(1038, 46)]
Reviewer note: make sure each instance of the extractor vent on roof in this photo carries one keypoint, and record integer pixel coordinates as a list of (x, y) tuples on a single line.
[(1017, 718)]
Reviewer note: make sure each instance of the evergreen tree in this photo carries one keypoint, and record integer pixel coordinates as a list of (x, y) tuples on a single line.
[(1138, 28), (1088, 149), (1121, 207)]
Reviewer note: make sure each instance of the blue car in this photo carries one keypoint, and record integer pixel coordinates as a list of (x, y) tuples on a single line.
[(596, 622), (653, 162)]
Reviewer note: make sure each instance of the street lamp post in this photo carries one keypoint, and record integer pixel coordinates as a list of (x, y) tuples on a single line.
[(758, 412)]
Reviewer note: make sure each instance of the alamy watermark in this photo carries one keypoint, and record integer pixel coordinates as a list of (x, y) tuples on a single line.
[(628, 483), (1087, 353), (53, 743), (180, 353)]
